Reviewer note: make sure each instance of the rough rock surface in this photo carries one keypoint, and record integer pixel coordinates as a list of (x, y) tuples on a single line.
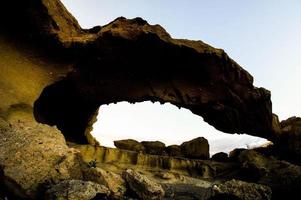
[(284, 178), (174, 151), (220, 157), (290, 138), (76, 190), (129, 144), (234, 154), (105, 67), (243, 190), (142, 186), (113, 181), (32, 155), (154, 147), (118, 157), (197, 148)]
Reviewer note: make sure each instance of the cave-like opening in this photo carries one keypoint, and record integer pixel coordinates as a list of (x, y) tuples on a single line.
[(147, 121)]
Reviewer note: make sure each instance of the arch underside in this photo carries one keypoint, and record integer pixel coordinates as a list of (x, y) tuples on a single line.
[(130, 60), (209, 85)]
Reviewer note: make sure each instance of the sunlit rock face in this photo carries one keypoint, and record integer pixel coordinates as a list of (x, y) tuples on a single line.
[(32, 155)]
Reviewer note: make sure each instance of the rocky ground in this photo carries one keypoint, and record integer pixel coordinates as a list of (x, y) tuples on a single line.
[(36, 163)]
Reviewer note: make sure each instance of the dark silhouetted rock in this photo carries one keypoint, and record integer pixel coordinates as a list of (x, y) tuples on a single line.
[(129, 144), (174, 151), (197, 148), (143, 186), (234, 154), (242, 190), (220, 157), (289, 141), (154, 147), (283, 177)]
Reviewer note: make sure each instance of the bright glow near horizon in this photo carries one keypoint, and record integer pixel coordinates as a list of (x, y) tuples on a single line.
[(262, 36), (166, 123)]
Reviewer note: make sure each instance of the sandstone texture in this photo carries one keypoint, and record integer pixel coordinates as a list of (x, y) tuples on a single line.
[(174, 151), (129, 144), (33, 155), (154, 147), (121, 158), (114, 182), (197, 148), (142, 186), (76, 190), (243, 190)]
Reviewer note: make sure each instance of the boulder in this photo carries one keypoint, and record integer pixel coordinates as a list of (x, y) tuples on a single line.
[(165, 175), (76, 190), (129, 144), (142, 186), (220, 157), (32, 155), (242, 190), (234, 154), (154, 147), (197, 148), (174, 151), (289, 141), (111, 180), (283, 177)]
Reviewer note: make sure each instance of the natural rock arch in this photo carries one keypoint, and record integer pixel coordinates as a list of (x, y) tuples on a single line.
[(123, 65), (130, 60)]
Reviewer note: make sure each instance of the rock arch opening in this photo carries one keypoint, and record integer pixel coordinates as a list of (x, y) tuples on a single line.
[(148, 121), (131, 60)]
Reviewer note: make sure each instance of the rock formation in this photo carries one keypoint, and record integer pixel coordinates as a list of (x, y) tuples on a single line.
[(144, 188), (154, 147), (243, 190), (126, 60), (284, 178), (129, 144), (56, 73), (220, 157), (32, 156), (289, 141), (196, 148), (113, 181), (76, 190), (174, 151)]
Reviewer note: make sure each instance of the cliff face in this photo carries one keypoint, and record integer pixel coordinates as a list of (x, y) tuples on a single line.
[(126, 60)]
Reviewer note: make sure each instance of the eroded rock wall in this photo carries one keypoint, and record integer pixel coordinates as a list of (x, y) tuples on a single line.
[(126, 60)]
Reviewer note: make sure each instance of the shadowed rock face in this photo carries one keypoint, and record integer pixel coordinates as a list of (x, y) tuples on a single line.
[(130, 60)]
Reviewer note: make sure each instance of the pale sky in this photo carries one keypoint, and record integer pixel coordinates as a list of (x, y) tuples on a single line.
[(263, 36)]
